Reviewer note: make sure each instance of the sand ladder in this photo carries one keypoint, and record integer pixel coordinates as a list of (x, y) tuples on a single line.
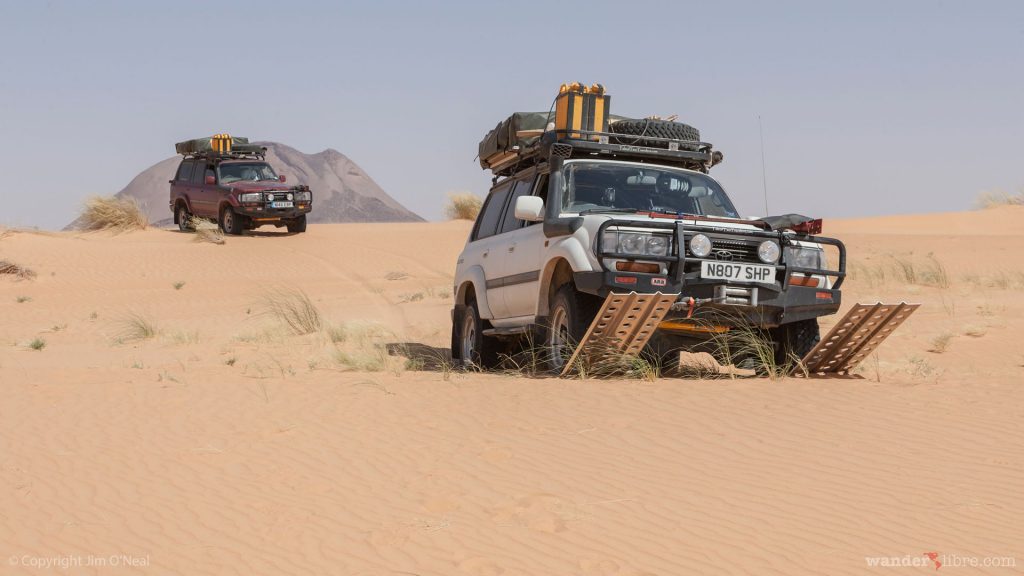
[(622, 327), (856, 336)]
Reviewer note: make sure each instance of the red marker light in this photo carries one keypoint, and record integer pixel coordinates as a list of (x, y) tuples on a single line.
[(809, 227), (625, 279)]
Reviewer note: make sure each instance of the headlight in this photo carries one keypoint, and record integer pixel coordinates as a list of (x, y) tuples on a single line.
[(638, 243), (768, 252), (700, 246), (303, 196), (805, 257), (250, 197)]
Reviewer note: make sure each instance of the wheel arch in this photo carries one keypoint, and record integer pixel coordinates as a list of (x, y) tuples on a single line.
[(473, 289)]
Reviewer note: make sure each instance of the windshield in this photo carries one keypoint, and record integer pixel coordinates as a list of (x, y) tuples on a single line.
[(615, 187), (254, 172)]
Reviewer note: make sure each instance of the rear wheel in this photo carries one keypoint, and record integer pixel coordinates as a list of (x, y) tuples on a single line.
[(230, 222), (298, 225), (184, 218), (476, 349), (571, 315)]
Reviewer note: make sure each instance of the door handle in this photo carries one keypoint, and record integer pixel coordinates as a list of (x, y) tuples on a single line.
[(486, 252), (512, 248)]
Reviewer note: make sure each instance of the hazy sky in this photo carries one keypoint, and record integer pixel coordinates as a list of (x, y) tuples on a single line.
[(867, 107)]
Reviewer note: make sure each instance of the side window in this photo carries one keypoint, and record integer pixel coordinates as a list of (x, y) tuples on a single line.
[(184, 171), (509, 222), (199, 173), (487, 222), (209, 173)]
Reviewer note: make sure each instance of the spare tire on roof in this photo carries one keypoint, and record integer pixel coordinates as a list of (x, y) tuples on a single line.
[(635, 132)]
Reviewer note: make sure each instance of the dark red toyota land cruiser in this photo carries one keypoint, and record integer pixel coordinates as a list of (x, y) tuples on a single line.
[(229, 181)]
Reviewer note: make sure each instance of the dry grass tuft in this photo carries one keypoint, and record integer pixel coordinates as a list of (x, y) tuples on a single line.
[(37, 344), (134, 326), (941, 342), (463, 206), (997, 198), (111, 213), (363, 347), (293, 308), (396, 275), (206, 231), (18, 272)]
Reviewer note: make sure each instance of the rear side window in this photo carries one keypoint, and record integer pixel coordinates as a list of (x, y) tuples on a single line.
[(510, 222), (490, 214), (184, 171)]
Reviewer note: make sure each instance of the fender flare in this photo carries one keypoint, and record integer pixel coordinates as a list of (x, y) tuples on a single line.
[(569, 250), (475, 276), (183, 199)]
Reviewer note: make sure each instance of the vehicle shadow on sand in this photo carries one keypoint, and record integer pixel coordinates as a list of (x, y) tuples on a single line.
[(421, 356)]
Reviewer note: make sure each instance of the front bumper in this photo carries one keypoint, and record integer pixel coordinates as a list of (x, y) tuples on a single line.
[(763, 304), (264, 213)]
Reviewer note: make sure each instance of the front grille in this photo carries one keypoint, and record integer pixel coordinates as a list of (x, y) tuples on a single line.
[(731, 250)]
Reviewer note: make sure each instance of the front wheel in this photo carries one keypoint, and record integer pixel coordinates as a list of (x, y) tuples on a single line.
[(298, 225), (230, 222), (571, 315), (794, 340)]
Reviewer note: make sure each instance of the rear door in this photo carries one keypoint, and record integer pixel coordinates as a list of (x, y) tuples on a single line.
[(485, 247), (181, 186)]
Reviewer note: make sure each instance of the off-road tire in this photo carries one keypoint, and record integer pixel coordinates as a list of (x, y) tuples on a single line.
[(634, 132), (230, 222), (571, 314), (795, 340), (184, 218), (480, 351), (298, 225)]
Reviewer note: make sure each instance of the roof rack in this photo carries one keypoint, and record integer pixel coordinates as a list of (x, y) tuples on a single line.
[(555, 144), (251, 153)]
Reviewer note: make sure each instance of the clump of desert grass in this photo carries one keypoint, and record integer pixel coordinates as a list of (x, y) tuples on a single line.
[(18, 272), (927, 271), (940, 343), (463, 206), (206, 231), (292, 308), (361, 347), (37, 344), (996, 198), (135, 326), (112, 213), (752, 348)]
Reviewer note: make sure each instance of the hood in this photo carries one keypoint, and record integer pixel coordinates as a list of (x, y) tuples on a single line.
[(694, 221), (243, 186)]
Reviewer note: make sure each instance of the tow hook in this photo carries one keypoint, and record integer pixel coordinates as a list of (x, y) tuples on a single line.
[(689, 304)]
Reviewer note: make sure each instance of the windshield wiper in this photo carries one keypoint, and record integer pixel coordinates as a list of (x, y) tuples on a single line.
[(609, 211)]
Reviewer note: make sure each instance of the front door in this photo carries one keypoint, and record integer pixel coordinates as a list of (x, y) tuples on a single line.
[(486, 248), (523, 243)]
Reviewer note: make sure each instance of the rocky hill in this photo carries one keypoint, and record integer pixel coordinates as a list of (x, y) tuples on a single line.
[(342, 191)]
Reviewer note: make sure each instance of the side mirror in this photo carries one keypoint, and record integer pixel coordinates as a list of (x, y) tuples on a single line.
[(530, 208), (210, 180), (281, 178)]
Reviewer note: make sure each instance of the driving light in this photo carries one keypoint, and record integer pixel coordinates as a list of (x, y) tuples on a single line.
[(290, 196), (768, 252), (700, 246), (270, 196)]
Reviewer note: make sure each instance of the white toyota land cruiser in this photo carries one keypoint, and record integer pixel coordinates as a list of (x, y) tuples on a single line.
[(572, 220)]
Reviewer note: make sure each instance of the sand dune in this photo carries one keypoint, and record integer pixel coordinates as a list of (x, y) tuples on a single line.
[(224, 444)]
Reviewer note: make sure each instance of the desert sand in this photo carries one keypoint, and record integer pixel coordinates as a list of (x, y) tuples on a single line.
[(224, 444)]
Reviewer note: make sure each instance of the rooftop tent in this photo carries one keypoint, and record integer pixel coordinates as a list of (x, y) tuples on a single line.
[(506, 135), (198, 145)]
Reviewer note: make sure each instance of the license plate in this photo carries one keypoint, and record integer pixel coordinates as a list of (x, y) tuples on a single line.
[(281, 205), (737, 272)]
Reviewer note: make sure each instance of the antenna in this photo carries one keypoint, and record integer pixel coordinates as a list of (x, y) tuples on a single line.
[(764, 177)]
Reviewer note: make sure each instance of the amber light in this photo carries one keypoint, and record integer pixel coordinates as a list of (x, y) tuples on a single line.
[(643, 268), (809, 281), (823, 295), (625, 279)]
